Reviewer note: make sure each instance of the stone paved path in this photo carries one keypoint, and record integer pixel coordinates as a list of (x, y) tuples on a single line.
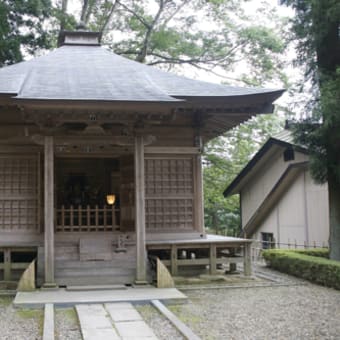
[(112, 321)]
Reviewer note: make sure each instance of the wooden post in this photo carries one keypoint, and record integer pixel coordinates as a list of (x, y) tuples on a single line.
[(49, 211), (140, 210), (247, 259), (199, 211), (212, 262), (174, 264), (7, 264)]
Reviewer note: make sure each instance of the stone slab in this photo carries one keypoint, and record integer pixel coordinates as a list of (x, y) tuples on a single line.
[(63, 298), (95, 323), (122, 312), (100, 334), (48, 331), (181, 327), (134, 330)]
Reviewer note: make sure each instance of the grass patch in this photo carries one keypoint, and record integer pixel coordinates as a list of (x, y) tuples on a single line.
[(5, 300), (185, 316), (310, 265), (34, 314), (30, 313)]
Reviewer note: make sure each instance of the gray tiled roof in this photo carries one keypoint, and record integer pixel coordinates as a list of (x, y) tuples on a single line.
[(93, 73)]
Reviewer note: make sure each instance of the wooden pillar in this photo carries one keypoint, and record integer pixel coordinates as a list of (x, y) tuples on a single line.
[(7, 265), (174, 263), (49, 211), (140, 210), (247, 259), (212, 261), (199, 213)]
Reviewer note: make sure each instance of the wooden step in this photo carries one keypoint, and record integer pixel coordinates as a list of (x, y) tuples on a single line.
[(94, 272), (91, 280), (95, 287)]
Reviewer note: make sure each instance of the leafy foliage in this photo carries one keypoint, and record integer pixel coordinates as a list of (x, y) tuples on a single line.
[(316, 28), (313, 268), (224, 158), (22, 28)]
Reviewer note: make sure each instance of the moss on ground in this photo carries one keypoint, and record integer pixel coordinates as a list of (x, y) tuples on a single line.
[(185, 316), (5, 300), (35, 314)]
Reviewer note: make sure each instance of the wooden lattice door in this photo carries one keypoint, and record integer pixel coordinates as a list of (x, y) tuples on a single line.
[(19, 192)]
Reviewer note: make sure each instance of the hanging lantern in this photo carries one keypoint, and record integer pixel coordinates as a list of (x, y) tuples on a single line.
[(110, 199)]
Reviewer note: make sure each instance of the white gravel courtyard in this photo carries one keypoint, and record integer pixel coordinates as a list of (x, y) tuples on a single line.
[(295, 310)]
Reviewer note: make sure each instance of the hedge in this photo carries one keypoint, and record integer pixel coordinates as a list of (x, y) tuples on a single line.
[(316, 269), (318, 252)]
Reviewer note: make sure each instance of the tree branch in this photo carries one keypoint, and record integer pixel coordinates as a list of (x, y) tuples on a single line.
[(108, 17), (139, 17), (64, 4), (175, 12), (143, 52)]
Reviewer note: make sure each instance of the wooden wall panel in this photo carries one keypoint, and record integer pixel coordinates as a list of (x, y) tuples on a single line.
[(169, 187), (19, 187)]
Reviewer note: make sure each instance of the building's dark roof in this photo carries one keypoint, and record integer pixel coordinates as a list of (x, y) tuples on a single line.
[(270, 146), (90, 72)]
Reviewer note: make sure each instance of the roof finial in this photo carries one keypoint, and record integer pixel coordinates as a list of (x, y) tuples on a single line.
[(81, 26)]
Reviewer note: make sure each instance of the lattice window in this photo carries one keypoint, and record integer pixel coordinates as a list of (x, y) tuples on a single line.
[(169, 188), (169, 213), (169, 176), (18, 192)]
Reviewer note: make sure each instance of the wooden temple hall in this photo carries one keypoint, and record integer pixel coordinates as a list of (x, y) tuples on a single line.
[(100, 164)]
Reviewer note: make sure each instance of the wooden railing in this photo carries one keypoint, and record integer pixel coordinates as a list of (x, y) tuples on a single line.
[(75, 219)]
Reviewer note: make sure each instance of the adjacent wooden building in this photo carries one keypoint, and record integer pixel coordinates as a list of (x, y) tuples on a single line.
[(100, 159), (280, 203)]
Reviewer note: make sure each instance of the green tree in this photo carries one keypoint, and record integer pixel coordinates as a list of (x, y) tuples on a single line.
[(211, 35), (224, 158), (22, 28), (317, 30)]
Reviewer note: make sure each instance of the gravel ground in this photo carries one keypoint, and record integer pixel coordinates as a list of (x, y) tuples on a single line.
[(288, 309), (278, 312), (163, 329), (19, 324), (66, 324)]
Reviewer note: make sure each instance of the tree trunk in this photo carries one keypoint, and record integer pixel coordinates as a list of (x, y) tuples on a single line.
[(334, 218)]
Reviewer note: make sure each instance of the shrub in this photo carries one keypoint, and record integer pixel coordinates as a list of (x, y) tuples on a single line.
[(316, 269), (318, 252)]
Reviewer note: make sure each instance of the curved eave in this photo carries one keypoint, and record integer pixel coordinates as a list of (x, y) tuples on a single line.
[(269, 95)]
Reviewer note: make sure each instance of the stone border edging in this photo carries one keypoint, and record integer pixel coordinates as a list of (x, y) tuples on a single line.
[(182, 327), (48, 332)]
